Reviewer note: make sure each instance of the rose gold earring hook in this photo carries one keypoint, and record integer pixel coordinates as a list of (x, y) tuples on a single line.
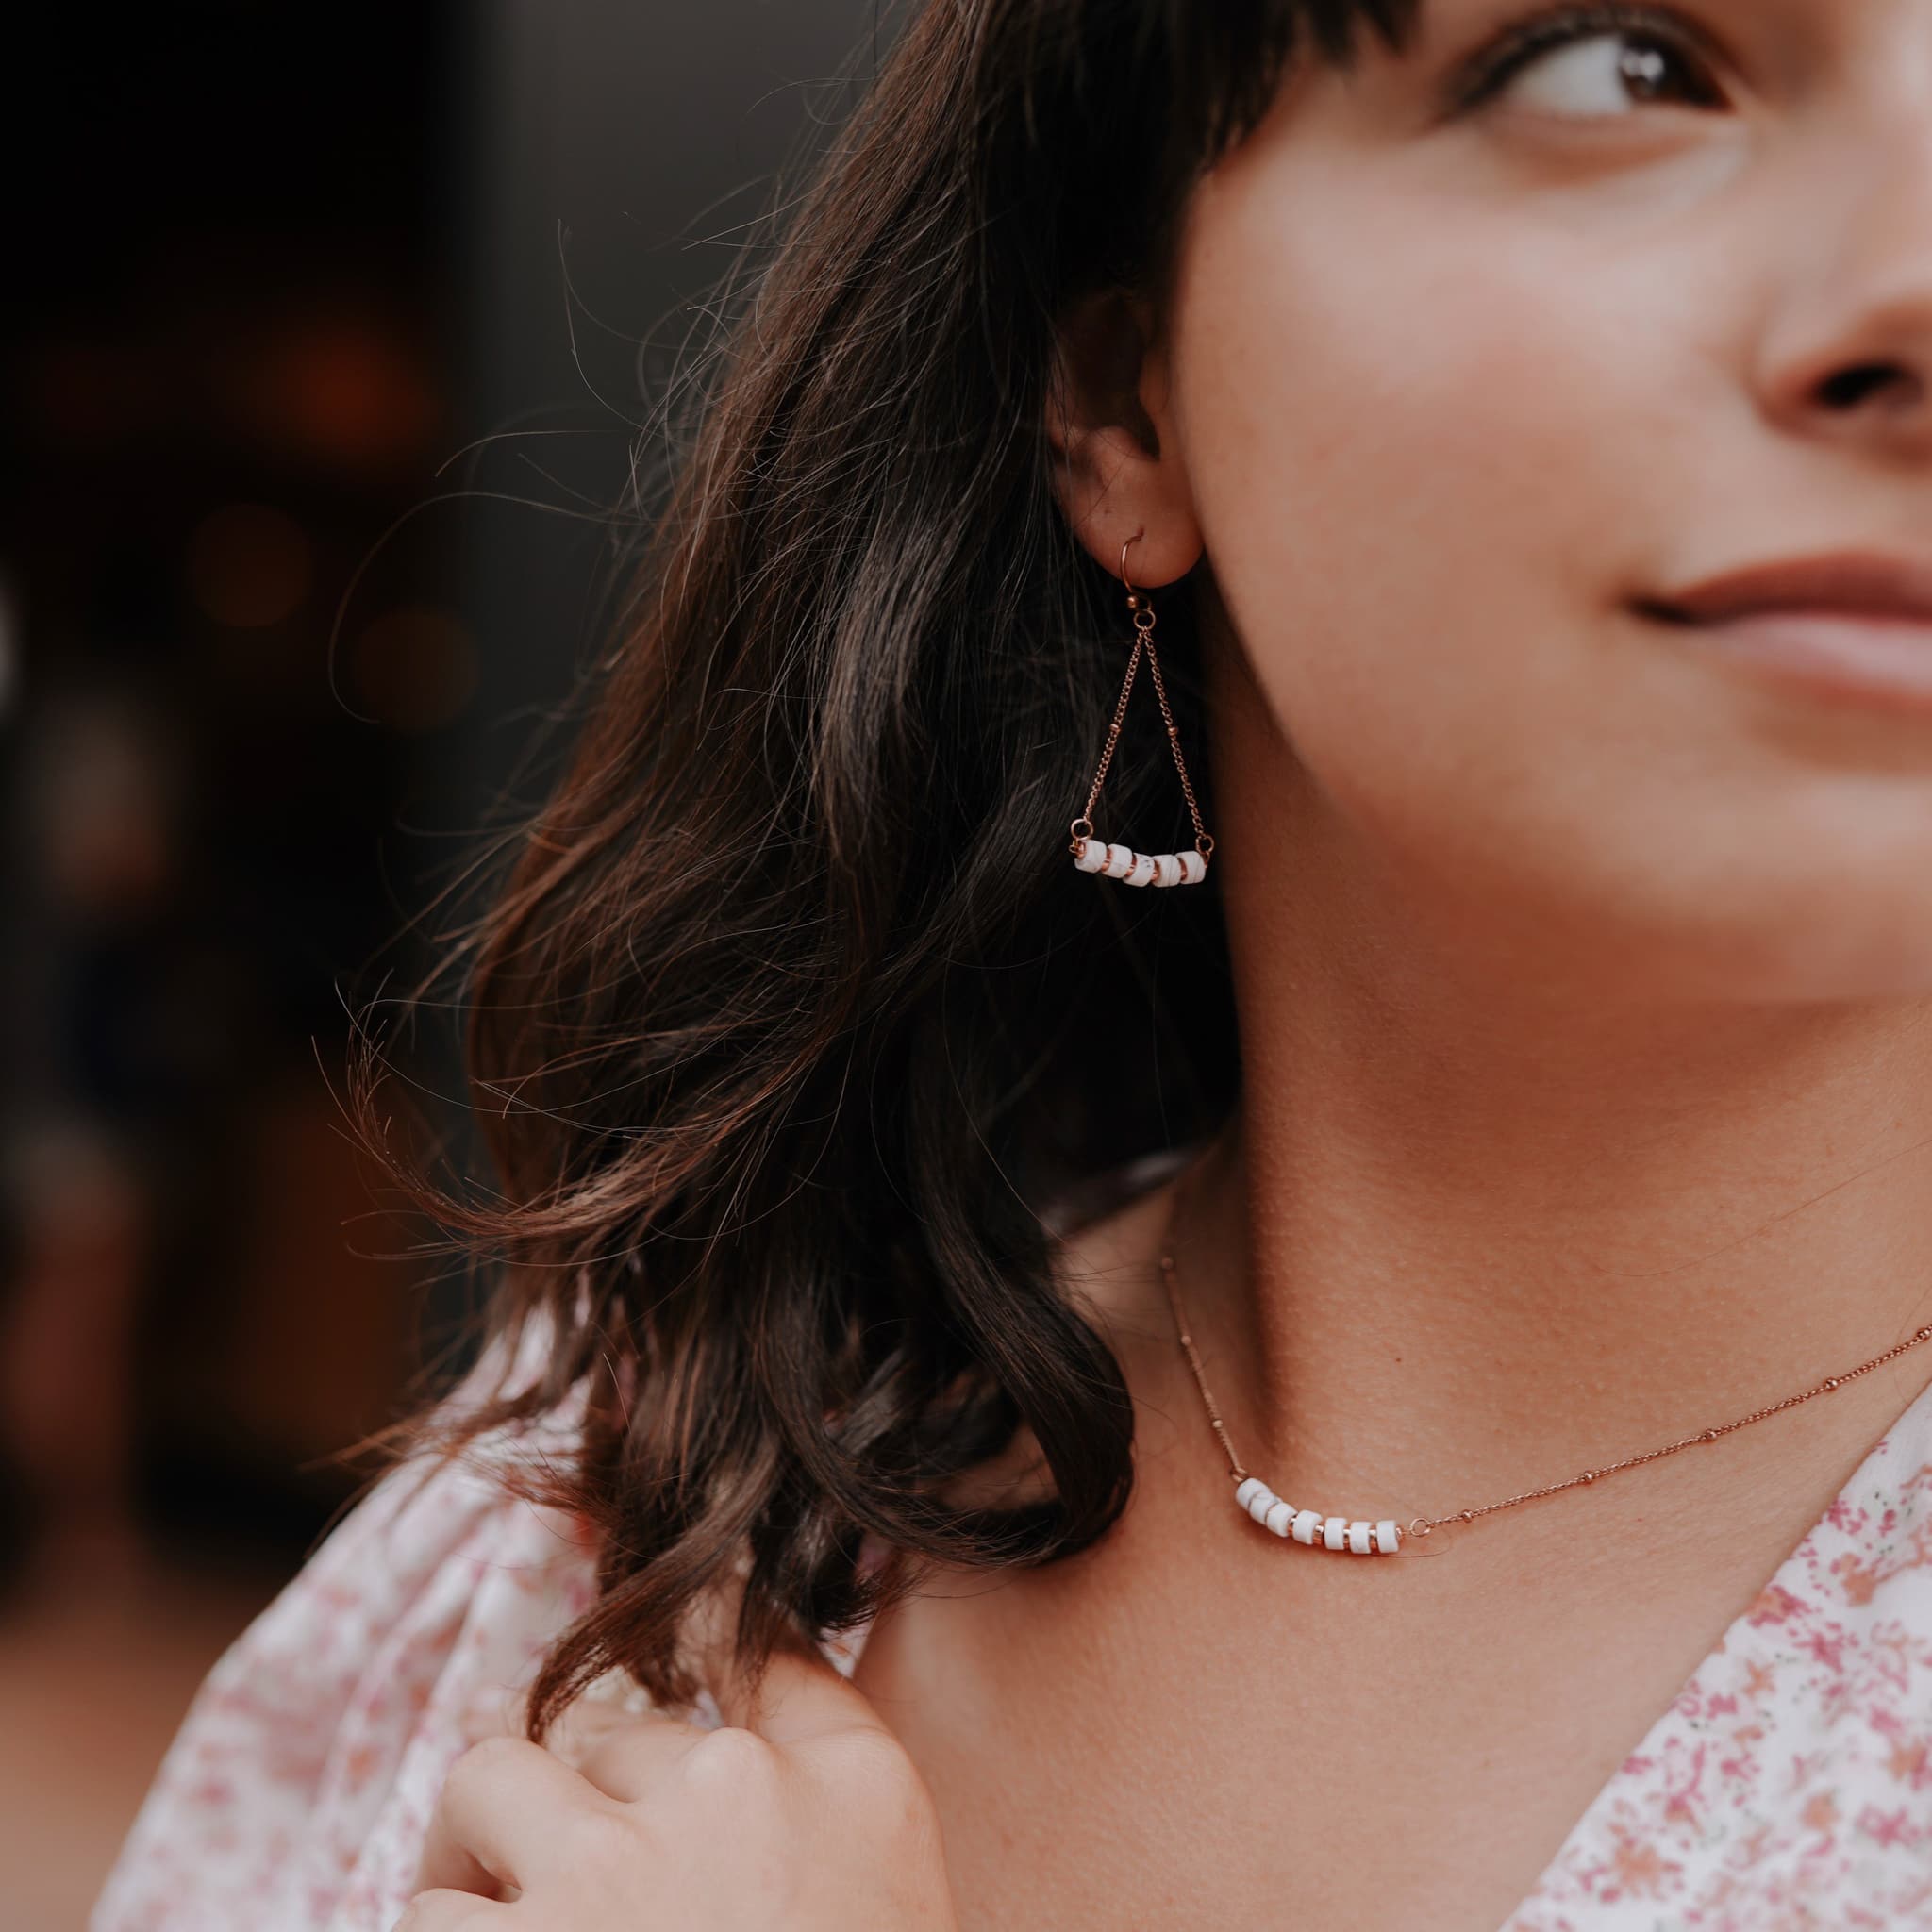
[(1134, 538)]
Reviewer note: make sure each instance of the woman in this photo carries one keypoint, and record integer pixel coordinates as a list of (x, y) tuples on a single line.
[(1512, 427)]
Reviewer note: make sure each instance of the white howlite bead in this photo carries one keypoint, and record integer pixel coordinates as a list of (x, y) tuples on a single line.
[(1142, 871), (1193, 868), (1092, 855), (1259, 1506), (1120, 861), (1167, 869), (1305, 1528), (1248, 1490), (1387, 1536), (1359, 1535), (1335, 1532), (1278, 1517)]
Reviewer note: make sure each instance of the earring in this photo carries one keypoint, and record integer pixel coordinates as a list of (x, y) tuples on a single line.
[(1120, 861)]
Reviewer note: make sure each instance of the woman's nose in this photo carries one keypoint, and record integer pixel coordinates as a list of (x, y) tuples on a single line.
[(1847, 351)]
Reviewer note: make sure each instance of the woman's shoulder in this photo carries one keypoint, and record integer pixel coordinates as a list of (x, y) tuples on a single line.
[(297, 1789)]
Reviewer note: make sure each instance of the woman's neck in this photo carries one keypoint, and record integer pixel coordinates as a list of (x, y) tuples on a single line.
[(1489, 1218)]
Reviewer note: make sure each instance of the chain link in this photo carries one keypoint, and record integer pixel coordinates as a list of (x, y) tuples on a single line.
[(1114, 731), (1202, 843), (1420, 1526)]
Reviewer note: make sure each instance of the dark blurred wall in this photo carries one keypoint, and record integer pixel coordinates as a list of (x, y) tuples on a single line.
[(337, 332), (621, 154), (225, 373)]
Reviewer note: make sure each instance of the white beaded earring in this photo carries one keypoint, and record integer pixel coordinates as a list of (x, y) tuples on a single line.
[(1120, 862)]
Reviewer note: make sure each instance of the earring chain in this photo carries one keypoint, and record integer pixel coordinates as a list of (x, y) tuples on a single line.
[(1204, 843), (1113, 730), (1144, 643)]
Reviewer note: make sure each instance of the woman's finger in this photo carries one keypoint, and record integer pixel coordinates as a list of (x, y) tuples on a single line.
[(498, 1822), (801, 1699), (622, 1752), (451, 1912)]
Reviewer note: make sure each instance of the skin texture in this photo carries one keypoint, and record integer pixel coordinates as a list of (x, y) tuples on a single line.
[(1583, 977)]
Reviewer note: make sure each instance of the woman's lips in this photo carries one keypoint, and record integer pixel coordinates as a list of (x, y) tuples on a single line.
[(1881, 660), (1854, 625), (1866, 583)]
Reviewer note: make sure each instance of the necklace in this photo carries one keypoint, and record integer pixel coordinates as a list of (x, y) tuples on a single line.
[(1364, 1538)]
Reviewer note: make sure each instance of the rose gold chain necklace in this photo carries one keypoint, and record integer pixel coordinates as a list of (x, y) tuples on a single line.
[(1365, 1538)]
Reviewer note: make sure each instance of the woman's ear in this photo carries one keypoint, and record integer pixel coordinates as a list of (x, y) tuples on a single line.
[(1117, 460)]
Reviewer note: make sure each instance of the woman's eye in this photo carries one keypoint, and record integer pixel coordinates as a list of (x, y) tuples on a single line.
[(1587, 62)]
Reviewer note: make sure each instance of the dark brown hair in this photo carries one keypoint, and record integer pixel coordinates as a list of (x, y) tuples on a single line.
[(791, 1014)]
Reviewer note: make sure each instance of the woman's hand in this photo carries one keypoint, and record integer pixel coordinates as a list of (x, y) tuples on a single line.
[(802, 1813)]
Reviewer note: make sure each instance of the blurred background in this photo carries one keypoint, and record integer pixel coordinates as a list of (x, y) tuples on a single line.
[(327, 338)]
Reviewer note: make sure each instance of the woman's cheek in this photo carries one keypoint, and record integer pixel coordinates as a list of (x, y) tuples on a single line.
[(1422, 536), (1412, 589)]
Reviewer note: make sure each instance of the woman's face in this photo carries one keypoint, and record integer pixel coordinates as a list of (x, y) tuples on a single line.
[(1456, 385)]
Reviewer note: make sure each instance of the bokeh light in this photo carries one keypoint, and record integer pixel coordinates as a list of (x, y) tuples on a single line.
[(413, 669), (249, 565)]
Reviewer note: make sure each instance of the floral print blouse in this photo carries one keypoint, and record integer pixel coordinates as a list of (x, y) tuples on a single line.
[(1788, 1786)]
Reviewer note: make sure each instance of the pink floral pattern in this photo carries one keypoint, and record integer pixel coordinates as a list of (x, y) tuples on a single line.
[(1788, 1786)]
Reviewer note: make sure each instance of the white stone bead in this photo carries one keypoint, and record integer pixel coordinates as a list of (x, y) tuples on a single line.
[(1167, 869), (1387, 1536), (1259, 1506), (1278, 1517), (1193, 868), (1305, 1528), (1120, 861), (1248, 1490), (1092, 855), (1359, 1535), (1335, 1532), (1142, 871)]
